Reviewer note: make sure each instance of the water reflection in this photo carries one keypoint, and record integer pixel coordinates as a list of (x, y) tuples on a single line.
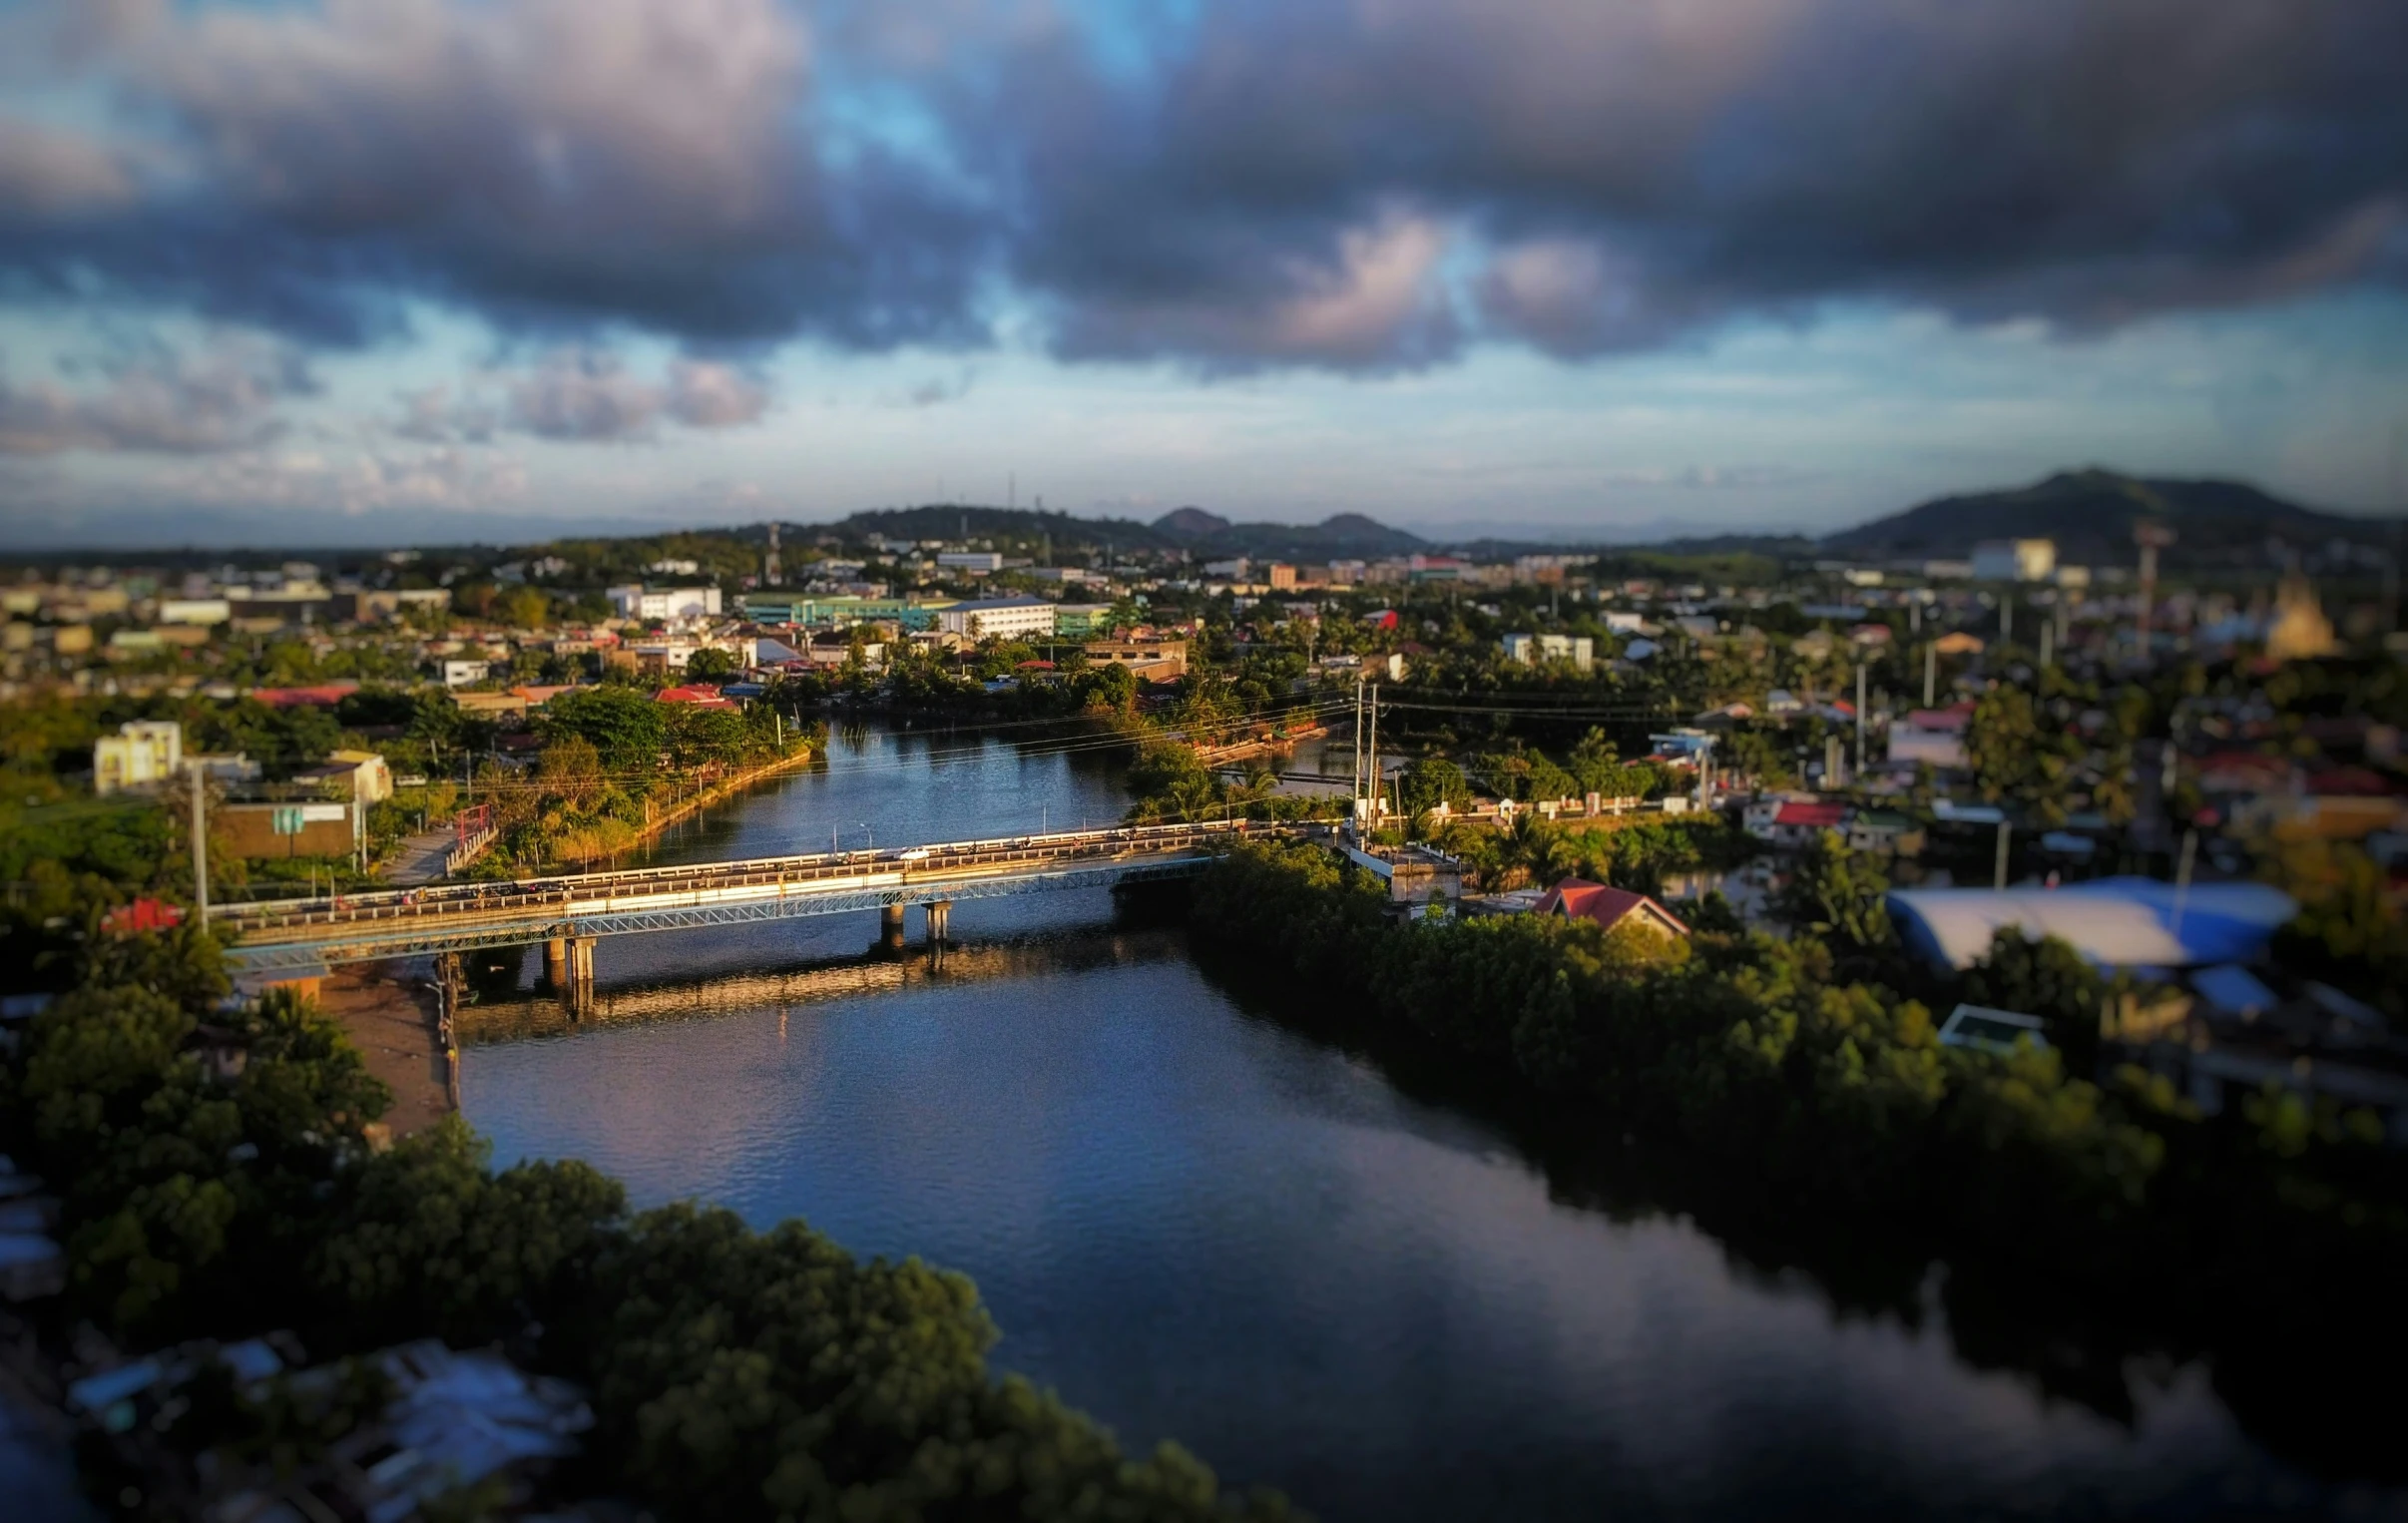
[(1340, 1267)]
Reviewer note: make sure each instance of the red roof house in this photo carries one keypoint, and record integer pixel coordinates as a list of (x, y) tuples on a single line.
[(697, 695), (319, 694), (141, 915), (1579, 899)]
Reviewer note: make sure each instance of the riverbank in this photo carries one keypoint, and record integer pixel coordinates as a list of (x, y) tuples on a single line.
[(390, 1012), (657, 821)]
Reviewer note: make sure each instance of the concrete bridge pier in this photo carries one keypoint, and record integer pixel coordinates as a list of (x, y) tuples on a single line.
[(556, 963), (580, 975), (940, 922)]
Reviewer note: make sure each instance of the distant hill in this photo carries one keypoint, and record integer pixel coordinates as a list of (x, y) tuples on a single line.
[(2090, 515), (1346, 535), (1193, 529), (959, 521), (1191, 523)]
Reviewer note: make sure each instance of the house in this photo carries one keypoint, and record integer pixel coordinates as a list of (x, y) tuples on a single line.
[(141, 755), (461, 674), (1152, 660), (1801, 822), (316, 695), (1934, 736), (697, 695), (1958, 643), (1995, 1032), (1886, 833), (1530, 649), (1579, 899), (360, 774), (491, 706)]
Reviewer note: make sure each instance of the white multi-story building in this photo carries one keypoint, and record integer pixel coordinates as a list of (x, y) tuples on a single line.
[(1002, 618), (666, 604), (1530, 649), (976, 562), (2015, 560), (142, 754)]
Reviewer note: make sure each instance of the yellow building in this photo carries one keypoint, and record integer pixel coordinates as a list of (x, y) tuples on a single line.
[(2300, 631)]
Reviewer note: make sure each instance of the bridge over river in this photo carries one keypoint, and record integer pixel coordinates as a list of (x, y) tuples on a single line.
[(300, 937)]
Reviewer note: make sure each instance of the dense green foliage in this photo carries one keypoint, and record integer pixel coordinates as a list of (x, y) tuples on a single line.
[(219, 1178)]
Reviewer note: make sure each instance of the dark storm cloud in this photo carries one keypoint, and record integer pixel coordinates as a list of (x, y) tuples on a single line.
[(1630, 170), (1350, 184), (544, 162)]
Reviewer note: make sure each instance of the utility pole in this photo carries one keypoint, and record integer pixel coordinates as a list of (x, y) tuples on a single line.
[(1375, 744), (1931, 672), (1358, 740), (2182, 877), (199, 788), (1860, 719), (2047, 643), (2151, 537), (2005, 832), (2006, 616)]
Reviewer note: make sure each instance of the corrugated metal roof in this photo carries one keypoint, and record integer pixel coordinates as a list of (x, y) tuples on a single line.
[(2114, 923)]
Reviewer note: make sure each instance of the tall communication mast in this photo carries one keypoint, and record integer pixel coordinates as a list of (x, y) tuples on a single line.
[(2152, 537), (771, 574)]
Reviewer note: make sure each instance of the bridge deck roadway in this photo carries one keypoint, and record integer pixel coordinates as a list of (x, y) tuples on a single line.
[(306, 933)]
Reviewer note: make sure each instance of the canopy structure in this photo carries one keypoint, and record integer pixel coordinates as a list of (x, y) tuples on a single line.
[(2114, 923)]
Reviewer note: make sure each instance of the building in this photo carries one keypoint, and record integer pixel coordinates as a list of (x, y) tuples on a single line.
[(1530, 649), (1081, 621), (998, 618), (1933, 737), (360, 774), (2015, 560), (696, 695), (2119, 922), (2300, 631), (1579, 899), (141, 755), (978, 563), (289, 830), (1282, 578), (1234, 570), (461, 674), (665, 605), (1885, 832), (1800, 823), (201, 611), (1153, 660)]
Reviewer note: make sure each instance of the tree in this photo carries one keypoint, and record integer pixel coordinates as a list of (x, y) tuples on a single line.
[(1840, 895), (627, 726), (710, 665), (571, 770), (1433, 781), (2046, 978), (524, 608)]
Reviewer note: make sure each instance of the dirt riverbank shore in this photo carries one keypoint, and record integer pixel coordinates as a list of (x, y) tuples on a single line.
[(389, 1011)]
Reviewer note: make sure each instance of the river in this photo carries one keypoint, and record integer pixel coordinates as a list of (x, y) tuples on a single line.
[(1321, 1267)]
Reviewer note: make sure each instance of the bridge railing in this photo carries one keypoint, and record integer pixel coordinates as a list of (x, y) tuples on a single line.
[(932, 861)]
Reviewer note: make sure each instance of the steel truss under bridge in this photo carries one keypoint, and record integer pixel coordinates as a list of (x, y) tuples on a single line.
[(396, 938)]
